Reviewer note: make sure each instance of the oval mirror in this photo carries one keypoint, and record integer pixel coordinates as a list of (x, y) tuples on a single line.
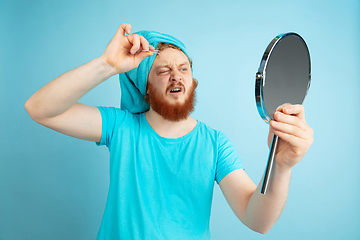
[(284, 76)]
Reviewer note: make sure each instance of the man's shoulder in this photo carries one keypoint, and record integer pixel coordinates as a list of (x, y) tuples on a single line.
[(206, 129), (118, 115), (117, 111), (216, 135)]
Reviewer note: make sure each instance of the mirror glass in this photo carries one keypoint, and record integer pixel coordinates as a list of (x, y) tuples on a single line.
[(285, 74)]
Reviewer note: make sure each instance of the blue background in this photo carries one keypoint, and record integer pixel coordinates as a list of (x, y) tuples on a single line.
[(55, 187)]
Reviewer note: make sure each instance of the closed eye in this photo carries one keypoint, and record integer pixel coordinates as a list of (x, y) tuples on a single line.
[(163, 71)]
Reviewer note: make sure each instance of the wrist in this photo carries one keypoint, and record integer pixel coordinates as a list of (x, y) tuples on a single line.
[(105, 68), (283, 169)]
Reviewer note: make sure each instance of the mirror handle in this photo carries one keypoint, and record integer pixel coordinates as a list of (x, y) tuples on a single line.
[(269, 165)]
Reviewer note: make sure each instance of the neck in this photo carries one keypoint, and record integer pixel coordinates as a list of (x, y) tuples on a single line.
[(169, 129)]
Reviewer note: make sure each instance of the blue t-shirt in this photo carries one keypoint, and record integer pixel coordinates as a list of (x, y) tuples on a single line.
[(161, 188)]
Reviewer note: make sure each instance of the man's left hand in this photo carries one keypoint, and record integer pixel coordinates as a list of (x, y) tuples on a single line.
[(295, 136)]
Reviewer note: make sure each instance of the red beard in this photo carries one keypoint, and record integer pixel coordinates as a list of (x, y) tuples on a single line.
[(172, 112)]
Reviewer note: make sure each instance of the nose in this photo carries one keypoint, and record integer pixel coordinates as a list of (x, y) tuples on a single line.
[(176, 79), (176, 76)]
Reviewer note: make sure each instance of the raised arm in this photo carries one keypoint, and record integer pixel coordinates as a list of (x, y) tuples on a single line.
[(260, 211), (55, 105)]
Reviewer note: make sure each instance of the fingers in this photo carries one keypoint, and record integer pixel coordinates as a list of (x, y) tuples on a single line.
[(292, 120), (141, 56), (138, 43), (289, 109), (289, 123), (135, 41), (299, 142), (124, 51), (283, 129)]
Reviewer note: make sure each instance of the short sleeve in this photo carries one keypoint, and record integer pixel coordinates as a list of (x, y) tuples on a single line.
[(228, 158), (111, 119)]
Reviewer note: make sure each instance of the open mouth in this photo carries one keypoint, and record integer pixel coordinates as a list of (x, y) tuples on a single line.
[(175, 90)]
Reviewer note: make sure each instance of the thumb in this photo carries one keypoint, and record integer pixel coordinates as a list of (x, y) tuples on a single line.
[(123, 28), (141, 56)]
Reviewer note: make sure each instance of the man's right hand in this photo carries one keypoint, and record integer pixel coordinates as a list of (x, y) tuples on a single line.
[(124, 52), (55, 105)]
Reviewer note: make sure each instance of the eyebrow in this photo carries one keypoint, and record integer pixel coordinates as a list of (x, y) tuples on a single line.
[(185, 63), (167, 65)]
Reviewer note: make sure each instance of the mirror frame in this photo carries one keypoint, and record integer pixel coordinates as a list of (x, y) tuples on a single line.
[(261, 74)]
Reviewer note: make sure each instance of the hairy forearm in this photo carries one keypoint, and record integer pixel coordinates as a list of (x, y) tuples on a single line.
[(63, 92), (263, 210)]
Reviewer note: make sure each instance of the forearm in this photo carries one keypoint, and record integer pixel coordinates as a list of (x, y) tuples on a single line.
[(263, 210), (63, 92)]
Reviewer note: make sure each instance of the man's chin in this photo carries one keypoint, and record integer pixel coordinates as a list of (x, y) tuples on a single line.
[(172, 109), (175, 102), (174, 112)]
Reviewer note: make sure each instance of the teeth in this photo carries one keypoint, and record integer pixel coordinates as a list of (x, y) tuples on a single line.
[(176, 90)]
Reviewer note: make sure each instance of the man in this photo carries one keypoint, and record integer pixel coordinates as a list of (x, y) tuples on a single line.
[(163, 163)]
